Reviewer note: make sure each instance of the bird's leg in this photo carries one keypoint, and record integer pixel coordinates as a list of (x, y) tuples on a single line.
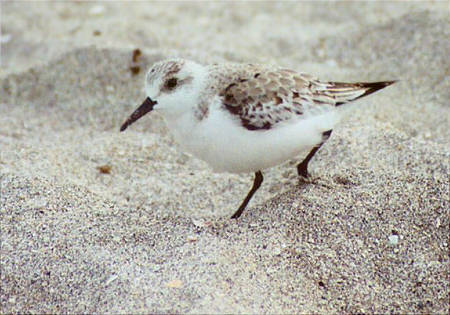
[(302, 168), (256, 184)]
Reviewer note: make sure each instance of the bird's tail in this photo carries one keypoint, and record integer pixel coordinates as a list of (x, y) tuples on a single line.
[(346, 92)]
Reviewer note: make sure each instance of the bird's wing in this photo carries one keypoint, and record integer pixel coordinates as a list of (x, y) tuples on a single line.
[(263, 99)]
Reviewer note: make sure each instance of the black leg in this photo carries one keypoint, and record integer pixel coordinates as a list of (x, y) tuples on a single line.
[(302, 168), (256, 184)]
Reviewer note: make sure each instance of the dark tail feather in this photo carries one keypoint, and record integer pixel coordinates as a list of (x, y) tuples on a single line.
[(347, 92)]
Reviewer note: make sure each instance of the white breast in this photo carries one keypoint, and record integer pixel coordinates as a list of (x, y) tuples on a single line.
[(221, 141)]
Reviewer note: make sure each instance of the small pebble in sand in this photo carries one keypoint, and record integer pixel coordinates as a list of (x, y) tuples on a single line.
[(192, 239), (5, 38), (37, 203), (97, 10), (111, 279), (105, 169), (393, 240), (199, 223), (177, 283)]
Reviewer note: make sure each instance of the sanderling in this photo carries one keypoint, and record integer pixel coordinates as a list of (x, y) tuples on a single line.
[(244, 117)]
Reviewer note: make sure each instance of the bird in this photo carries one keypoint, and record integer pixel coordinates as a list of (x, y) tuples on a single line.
[(244, 117)]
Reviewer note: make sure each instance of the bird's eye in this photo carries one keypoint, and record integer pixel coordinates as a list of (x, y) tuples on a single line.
[(171, 83)]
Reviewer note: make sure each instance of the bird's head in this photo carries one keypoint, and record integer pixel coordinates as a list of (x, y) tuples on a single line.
[(172, 87)]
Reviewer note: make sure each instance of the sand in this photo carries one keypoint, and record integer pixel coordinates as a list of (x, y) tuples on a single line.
[(93, 220)]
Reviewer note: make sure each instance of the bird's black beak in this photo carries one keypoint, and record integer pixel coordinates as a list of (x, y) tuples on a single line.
[(147, 106)]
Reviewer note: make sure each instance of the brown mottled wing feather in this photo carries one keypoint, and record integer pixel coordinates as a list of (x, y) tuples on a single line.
[(262, 99)]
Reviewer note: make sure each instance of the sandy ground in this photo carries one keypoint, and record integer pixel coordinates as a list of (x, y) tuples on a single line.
[(368, 234)]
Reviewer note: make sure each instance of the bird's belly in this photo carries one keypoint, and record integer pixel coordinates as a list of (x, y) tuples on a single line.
[(228, 147)]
